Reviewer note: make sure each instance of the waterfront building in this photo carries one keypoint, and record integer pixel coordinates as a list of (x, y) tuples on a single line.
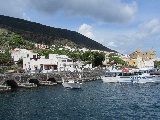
[(106, 61), (143, 59), (55, 62), (151, 54), (139, 62), (18, 53)]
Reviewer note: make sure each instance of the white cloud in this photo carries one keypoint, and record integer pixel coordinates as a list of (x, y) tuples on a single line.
[(145, 37), (148, 30), (86, 30), (26, 17), (111, 44)]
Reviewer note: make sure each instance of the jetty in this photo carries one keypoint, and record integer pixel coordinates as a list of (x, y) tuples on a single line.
[(32, 80)]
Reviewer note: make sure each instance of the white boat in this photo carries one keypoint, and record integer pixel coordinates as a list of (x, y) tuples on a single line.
[(142, 79), (117, 77), (144, 76), (5, 88), (141, 76), (70, 83)]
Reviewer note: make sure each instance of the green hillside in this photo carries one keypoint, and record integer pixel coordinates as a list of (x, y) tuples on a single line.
[(35, 32)]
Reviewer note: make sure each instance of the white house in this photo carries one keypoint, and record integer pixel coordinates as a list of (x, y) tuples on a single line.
[(17, 54), (33, 61), (54, 63), (37, 62)]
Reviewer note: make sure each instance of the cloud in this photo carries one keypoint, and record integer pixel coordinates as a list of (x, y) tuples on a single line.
[(26, 17), (13, 8), (86, 30), (113, 11), (111, 44), (145, 37), (148, 30)]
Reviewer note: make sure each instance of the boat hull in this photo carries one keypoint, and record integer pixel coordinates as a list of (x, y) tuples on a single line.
[(71, 85)]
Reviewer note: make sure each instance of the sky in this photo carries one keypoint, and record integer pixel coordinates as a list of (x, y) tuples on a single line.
[(121, 25)]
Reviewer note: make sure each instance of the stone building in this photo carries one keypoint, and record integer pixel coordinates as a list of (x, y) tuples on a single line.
[(151, 54)]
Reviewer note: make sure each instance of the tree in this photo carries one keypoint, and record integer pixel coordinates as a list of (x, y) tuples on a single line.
[(157, 64), (117, 60), (20, 62), (98, 58), (5, 59)]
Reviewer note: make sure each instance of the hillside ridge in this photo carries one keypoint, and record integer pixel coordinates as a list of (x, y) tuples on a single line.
[(39, 33)]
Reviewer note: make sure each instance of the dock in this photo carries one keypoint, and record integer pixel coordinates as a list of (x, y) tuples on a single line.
[(33, 80)]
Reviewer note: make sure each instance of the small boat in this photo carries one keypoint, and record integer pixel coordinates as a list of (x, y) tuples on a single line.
[(27, 85), (70, 83), (4, 88)]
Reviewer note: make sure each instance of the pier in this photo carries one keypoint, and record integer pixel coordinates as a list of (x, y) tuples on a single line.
[(31, 80)]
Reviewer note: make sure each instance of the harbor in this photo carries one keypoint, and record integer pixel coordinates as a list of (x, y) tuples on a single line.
[(32, 80), (95, 101)]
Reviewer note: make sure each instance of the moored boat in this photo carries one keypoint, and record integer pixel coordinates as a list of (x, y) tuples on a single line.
[(4, 88), (70, 83), (118, 76)]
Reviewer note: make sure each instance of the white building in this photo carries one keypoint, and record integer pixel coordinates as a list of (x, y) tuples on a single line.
[(33, 61), (148, 64), (17, 53)]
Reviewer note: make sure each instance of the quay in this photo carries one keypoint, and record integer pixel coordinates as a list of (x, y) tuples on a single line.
[(30, 80)]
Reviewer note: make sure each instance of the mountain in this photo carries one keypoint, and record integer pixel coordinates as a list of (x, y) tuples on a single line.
[(36, 32)]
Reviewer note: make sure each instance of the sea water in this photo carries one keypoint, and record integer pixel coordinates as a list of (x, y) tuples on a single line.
[(94, 101)]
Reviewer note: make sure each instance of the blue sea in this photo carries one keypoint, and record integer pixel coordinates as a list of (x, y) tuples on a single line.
[(95, 101)]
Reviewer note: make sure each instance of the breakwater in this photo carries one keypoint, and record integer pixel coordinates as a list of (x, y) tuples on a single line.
[(29, 80)]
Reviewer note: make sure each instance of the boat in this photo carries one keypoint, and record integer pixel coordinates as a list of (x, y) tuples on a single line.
[(71, 83), (47, 83), (4, 88), (144, 76), (126, 76), (27, 85), (118, 76), (142, 79)]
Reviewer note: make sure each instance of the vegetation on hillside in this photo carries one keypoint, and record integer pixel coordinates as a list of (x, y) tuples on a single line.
[(11, 40), (5, 59), (95, 58), (38, 33), (18, 33), (114, 59)]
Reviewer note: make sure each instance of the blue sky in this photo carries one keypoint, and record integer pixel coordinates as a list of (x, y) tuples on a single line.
[(121, 25)]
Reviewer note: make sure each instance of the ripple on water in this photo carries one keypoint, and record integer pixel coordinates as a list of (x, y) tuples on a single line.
[(95, 101)]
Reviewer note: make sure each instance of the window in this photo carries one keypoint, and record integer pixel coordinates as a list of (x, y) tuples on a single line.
[(63, 60), (68, 60), (34, 56)]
